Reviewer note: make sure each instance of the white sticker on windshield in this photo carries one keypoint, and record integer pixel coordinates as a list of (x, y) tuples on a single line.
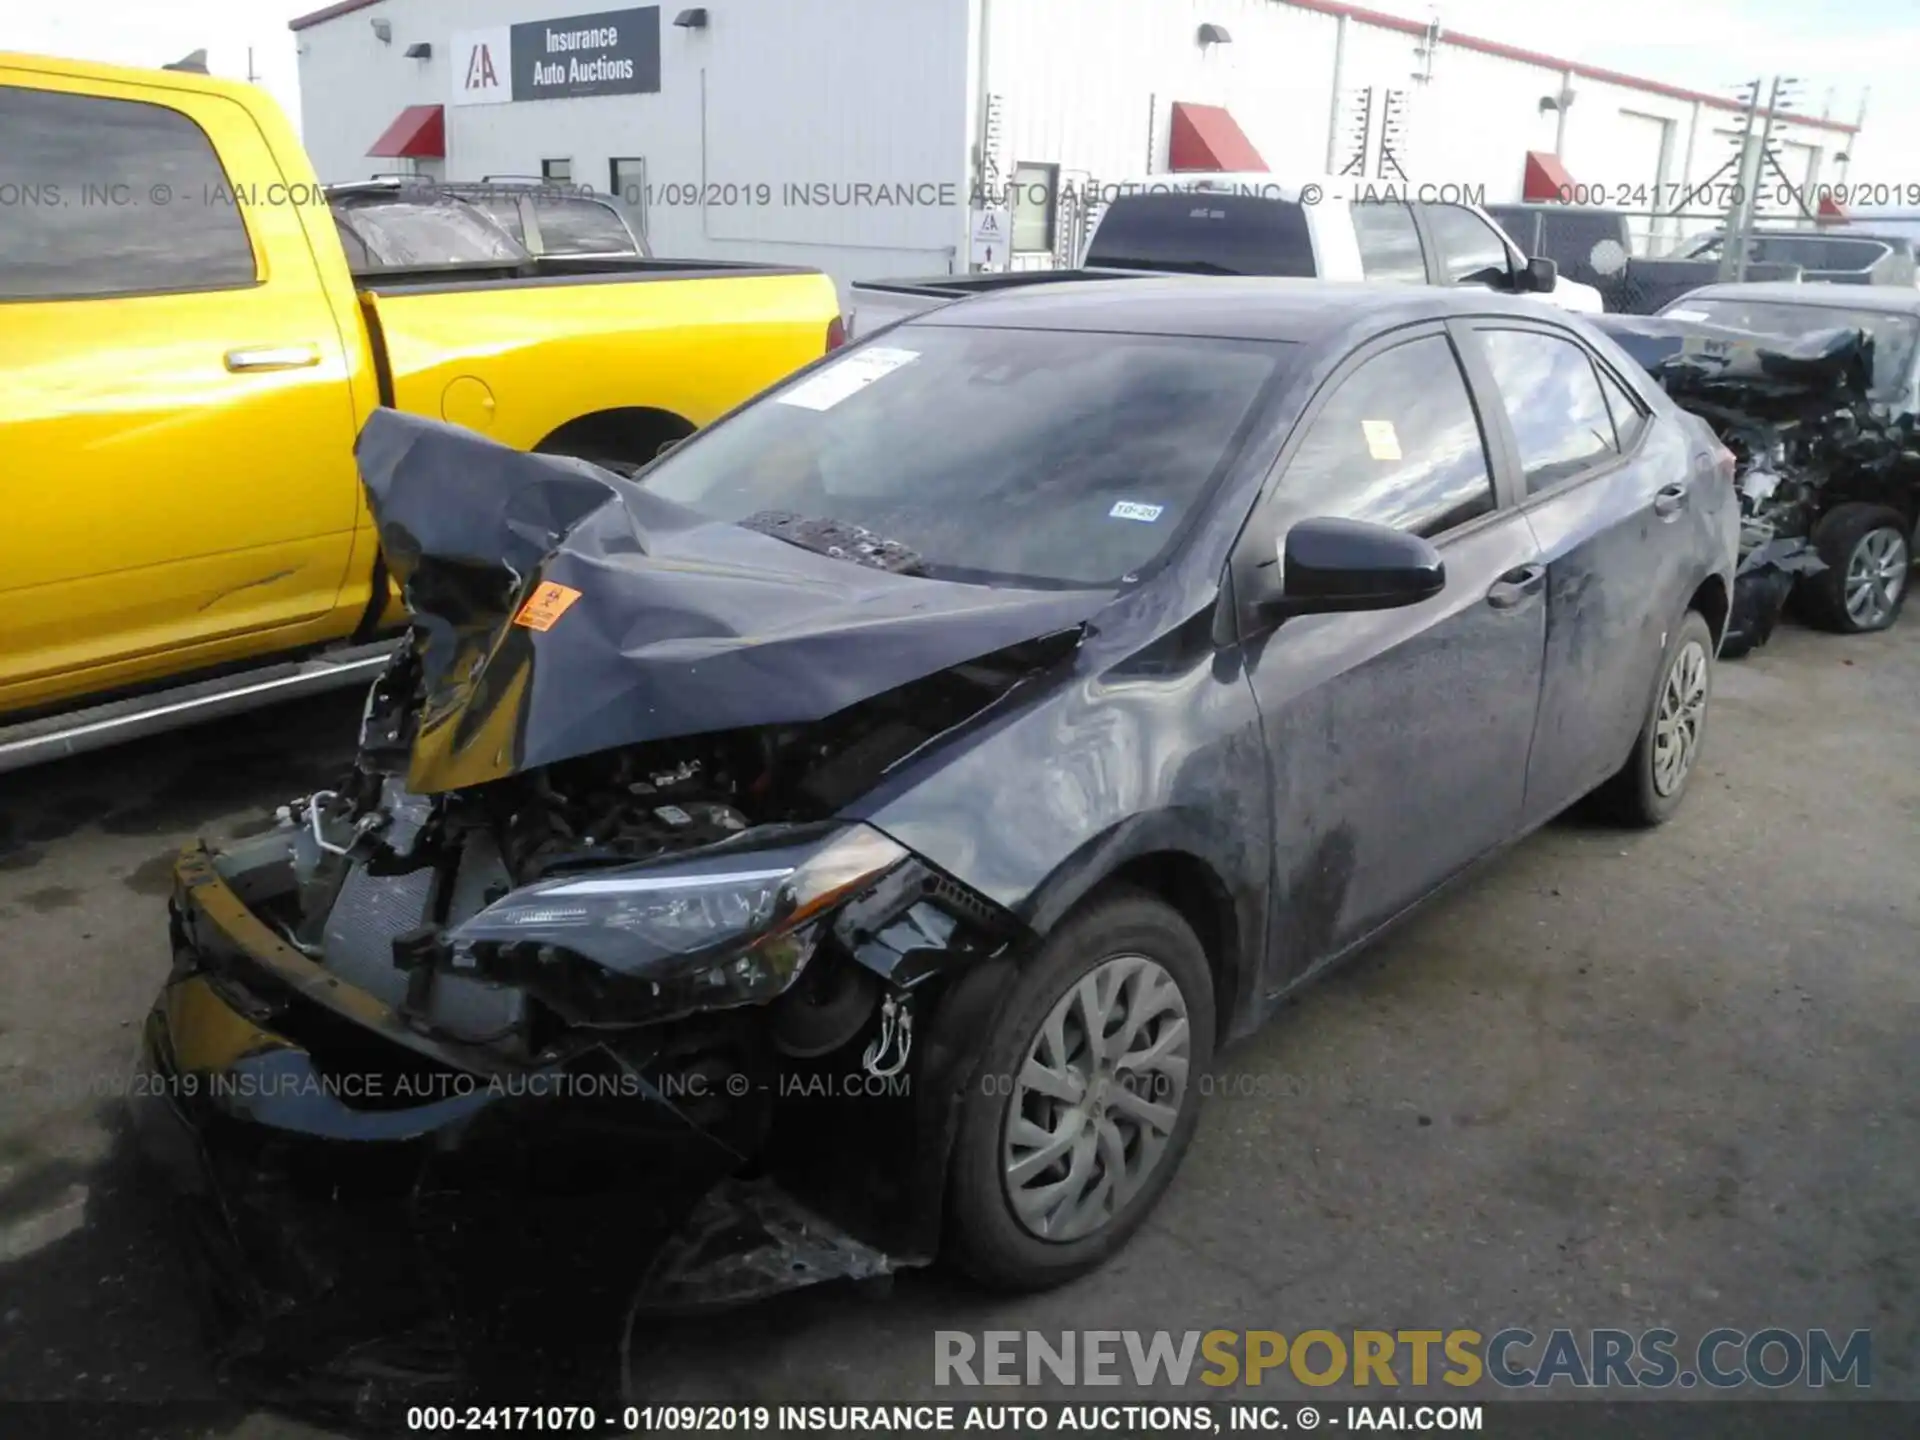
[(847, 377), (1383, 442), (1686, 315), (1133, 510)]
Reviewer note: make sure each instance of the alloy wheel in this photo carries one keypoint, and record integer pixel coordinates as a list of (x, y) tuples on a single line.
[(1876, 576), (1682, 713), (1096, 1099)]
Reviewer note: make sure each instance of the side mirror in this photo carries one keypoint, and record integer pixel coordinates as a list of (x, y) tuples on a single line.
[(1334, 565), (1540, 276)]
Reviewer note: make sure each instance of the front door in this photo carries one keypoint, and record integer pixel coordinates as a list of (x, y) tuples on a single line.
[(175, 398), (1397, 740)]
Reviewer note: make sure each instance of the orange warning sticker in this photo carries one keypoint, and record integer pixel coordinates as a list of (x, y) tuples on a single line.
[(545, 606)]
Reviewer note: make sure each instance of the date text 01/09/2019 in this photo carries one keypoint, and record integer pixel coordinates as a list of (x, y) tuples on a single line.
[(1723, 194)]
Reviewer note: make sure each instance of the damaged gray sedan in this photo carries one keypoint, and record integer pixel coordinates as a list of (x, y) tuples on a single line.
[(1816, 392), (846, 844)]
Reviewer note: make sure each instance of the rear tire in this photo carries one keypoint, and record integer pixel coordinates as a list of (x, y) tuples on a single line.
[(1869, 567), (1051, 1178), (1650, 786)]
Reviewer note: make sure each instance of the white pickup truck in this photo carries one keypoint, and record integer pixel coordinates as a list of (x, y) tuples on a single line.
[(1336, 228)]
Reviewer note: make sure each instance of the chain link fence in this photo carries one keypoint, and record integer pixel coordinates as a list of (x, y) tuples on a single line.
[(1639, 260)]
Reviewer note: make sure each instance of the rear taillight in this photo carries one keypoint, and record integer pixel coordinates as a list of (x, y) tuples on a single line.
[(836, 334)]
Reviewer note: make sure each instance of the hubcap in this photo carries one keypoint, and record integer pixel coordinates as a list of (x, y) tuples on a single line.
[(1676, 728), (1095, 1102), (1876, 574)]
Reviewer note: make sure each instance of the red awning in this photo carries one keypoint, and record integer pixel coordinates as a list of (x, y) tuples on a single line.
[(1547, 179), (419, 134), (1206, 137)]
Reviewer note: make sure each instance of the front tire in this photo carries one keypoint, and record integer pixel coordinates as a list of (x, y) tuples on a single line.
[(1086, 1098), (1649, 788), (1869, 564)]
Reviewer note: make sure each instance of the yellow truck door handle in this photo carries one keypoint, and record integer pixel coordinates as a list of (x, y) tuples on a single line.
[(273, 357)]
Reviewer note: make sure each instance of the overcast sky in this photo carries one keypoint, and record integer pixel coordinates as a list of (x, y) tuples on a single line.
[(1711, 45)]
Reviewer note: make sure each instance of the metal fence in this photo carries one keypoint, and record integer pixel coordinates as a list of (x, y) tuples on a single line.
[(1639, 260)]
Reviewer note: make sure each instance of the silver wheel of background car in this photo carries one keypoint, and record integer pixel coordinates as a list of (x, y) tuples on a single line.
[(1677, 725), (1095, 1102), (1876, 574)]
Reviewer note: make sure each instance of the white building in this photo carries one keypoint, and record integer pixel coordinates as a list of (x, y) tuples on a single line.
[(850, 134)]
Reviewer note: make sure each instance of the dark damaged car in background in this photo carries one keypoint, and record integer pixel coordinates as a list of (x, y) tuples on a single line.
[(1816, 392), (846, 844)]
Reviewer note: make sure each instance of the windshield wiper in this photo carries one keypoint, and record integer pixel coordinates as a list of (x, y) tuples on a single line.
[(838, 538)]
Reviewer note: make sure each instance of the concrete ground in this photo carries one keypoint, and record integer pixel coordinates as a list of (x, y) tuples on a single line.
[(1618, 1080)]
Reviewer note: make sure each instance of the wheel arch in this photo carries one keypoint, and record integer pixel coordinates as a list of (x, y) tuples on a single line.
[(632, 433), (1168, 856), (1714, 601)]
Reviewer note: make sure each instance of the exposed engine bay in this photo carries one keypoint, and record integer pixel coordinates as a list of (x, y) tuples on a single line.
[(389, 882), (1805, 435)]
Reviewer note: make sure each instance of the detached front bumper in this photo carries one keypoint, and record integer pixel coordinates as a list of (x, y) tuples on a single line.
[(365, 1204)]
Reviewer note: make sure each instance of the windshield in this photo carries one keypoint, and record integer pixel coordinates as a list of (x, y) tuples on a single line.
[(1206, 232), (404, 231), (1894, 335), (1025, 457)]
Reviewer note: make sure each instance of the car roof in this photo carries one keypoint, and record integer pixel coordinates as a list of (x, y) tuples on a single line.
[(1223, 307), (1893, 299)]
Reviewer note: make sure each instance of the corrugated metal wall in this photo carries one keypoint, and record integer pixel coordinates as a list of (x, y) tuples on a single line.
[(1089, 84), (826, 94), (804, 100)]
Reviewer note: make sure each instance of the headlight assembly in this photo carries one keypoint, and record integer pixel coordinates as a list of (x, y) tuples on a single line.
[(653, 941)]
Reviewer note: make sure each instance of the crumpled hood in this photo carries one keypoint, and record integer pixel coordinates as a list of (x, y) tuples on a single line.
[(561, 610), (1764, 376)]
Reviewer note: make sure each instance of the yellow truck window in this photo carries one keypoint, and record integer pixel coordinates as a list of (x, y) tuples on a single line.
[(112, 197)]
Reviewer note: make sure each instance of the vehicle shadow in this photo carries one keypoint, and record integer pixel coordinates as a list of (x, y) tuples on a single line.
[(98, 1335)]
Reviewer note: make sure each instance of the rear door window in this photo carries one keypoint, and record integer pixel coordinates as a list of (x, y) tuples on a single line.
[(1205, 233), (580, 227), (1389, 242), (1629, 420), (1399, 443), (112, 197), (1553, 401), (502, 209)]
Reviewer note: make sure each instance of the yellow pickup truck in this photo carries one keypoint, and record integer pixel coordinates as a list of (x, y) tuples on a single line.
[(187, 355)]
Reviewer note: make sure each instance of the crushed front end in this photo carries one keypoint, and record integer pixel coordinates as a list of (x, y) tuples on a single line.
[(453, 1071), (1805, 435), (592, 1037)]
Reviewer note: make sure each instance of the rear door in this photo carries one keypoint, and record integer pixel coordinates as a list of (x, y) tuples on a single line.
[(175, 398), (1397, 741), (1607, 489)]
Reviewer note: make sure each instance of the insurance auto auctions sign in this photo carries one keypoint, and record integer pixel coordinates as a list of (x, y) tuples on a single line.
[(614, 52)]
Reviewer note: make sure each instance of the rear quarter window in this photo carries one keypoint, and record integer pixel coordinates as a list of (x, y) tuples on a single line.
[(1208, 233)]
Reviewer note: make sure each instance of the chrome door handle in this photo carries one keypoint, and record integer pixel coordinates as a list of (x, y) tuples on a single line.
[(273, 357)]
